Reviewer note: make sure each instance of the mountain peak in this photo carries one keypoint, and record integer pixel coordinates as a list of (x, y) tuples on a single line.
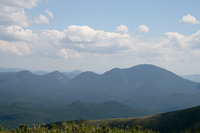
[(54, 73), (57, 75), (25, 73), (146, 66)]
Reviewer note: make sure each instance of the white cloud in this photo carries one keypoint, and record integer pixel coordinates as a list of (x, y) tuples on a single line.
[(49, 13), (21, 3), (143, 28), (16, 33), (68, 53), (78, 34), (10, 15), (12, 12), (122, 29), (86, 39), (52, 36), (177, 40), (16, 48), (81, 42), (42, 19), (188, 19)]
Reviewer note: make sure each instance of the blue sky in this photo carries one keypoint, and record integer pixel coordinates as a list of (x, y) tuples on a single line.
[(95, 35)]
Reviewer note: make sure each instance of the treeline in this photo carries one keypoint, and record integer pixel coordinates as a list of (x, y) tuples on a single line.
[(72, 127)]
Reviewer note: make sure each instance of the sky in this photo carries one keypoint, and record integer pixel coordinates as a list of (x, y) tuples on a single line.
[(91, 35)]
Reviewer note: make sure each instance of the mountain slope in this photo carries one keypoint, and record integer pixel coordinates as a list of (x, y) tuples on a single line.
[(11, 116), (73, 73), (38, 86), (178, 121), (194, 77), (143, 85)]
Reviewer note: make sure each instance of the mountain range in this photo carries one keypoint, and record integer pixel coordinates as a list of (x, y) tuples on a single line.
[(145, 86)]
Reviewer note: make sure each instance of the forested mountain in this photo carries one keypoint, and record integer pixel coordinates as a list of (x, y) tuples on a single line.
[(182, 121), (11, 116), (145, 86), (31, 87)]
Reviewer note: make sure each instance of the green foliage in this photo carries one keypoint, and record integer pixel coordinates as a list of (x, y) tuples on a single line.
[(72, 127)]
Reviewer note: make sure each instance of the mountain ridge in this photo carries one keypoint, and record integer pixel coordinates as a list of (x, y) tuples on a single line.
[(142, 85), (143, 82)]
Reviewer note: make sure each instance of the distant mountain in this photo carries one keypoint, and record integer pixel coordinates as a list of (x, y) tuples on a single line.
[(142, 85), (9, 69), (145, 86), (194, 77), (39, 72), (73, 73), (11, 116), (26, 84), (178, 121)]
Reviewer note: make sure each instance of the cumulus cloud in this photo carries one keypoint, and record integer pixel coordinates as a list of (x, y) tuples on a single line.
[(122, 29), (143, 28), (49, 13), (16, 33), (16, 48), (188, 19), (68, 53), (87, 39), (12, 12), (176, 40), (77, 34), (10, 15), (42, 19), (184, 42), (21, 3), (83, 41)]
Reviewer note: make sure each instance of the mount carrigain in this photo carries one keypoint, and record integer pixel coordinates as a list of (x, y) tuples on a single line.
[(145, 86)]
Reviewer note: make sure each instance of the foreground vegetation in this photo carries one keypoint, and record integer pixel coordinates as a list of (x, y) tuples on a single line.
[(72, 127)]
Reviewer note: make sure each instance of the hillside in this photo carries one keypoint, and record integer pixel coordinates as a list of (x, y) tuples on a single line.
[(11, 116), (178, 121)]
